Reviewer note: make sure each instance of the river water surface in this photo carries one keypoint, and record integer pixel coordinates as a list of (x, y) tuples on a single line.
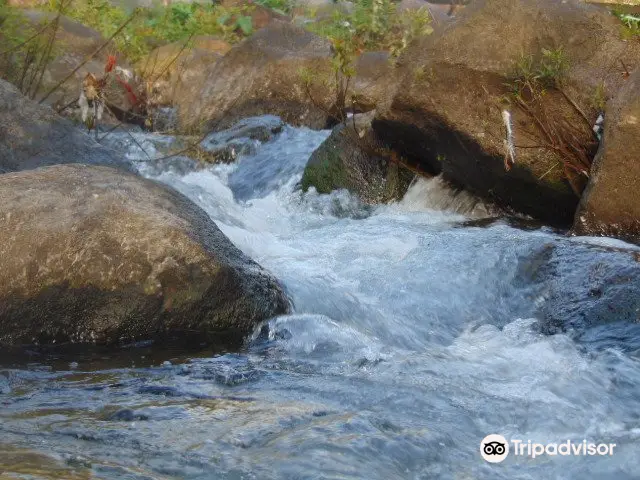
[(418, 328)]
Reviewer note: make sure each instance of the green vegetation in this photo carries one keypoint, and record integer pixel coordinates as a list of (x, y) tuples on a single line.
[(630, 24), (599, 97), (160, 25), (375, 25), (26, 49), (281, 6), (534, 80), (533, 76)]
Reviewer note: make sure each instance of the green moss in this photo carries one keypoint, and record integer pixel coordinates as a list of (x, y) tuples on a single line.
[(326, 173)]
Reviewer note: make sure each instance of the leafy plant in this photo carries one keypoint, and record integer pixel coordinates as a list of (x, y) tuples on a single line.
[(375, 25), (342, 64), (630, 23), (533, 76), (152, 27), (572, 143), (280, 6)]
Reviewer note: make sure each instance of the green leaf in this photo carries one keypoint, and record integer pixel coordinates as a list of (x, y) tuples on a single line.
[(246, 24), (223, 19)]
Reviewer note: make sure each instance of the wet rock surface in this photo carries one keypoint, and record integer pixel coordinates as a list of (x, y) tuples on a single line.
[(579, 286), (349, 159), (242, 138)]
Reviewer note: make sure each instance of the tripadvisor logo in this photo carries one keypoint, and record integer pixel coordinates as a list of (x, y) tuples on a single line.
[(495, 448)]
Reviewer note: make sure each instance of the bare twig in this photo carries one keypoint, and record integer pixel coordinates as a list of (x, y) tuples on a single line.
[(28, 40), (46, 55), (576, 107), (127, 132), (173, 60), (90, 57)]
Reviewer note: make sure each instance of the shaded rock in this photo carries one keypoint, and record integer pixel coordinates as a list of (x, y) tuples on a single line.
[(33, 136), (611, 203), (263, 75), (446, 114), (91, 254), (348, 159)]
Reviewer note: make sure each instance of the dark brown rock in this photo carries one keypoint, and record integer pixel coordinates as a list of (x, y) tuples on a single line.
[(92, 254), (611, 203)]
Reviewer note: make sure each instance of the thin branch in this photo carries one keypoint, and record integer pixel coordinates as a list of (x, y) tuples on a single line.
[(31, 38), (127, 132), (90, 57), (46, 56), (173, 60), (576, 107)]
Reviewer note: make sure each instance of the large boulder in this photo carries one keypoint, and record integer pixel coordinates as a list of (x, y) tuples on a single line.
[(33, 135), (264, 74), (374, 81), (611, 203), (173, 71), (446, 116), (93, 254), (351, 158)]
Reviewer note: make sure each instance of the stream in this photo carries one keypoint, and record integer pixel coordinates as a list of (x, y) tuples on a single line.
[(418, 328)]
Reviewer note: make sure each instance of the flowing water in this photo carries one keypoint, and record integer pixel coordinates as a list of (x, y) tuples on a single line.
[(418, 328)]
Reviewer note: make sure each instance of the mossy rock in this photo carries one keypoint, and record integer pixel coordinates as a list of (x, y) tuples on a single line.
[(347, 160)]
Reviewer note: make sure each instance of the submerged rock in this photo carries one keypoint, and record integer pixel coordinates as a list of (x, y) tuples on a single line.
[(447, 113), (33, 135), (577, 286), (263, 74), (92, 254), (241, 139), (349, 159), (611, 203)]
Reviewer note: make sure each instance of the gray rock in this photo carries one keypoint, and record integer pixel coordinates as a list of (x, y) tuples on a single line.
[(93, 254), (33, 136), (226, 145)]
